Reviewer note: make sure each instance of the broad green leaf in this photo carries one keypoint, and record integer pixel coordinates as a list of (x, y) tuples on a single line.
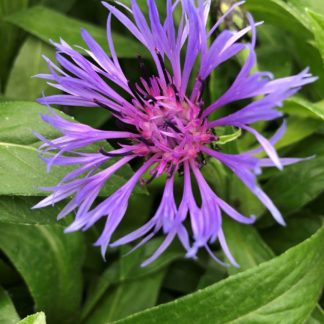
[(10, 37), (47, 24), (317, 23), (17, 210), (22, 173), (18, 120), (38, 318), (50, 263), (297, 185), (21, 85), (273, 292), (281, 14), (8, 314), (300, 107)]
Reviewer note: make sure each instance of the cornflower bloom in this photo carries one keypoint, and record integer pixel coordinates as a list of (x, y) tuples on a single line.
[(171, 128)]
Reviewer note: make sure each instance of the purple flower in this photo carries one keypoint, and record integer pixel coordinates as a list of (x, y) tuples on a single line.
[(172, 128)]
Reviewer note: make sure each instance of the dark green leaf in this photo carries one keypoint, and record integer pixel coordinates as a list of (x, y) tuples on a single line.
[(10, 37), (299, 228), (273, 292), (297, 185), (128, 269), (8, 314), (50, 263), (128, 298)]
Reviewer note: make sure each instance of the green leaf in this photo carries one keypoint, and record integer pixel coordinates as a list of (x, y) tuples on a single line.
[(22, 173), (18, 120), (300, 107), (50, 263), (125, 299), (281, 14), (299, 228), (246, 245), (29, 62), (38, 318), (297, 185), (10, 36), (297, 130), (273, 292), (317, 24), (128, 269), (8, 314), (317, 316), (47, 24), (17, 210)]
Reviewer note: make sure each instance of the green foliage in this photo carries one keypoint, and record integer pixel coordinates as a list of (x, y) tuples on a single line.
[(38, 318), (61, 278), (273, 292), (8, 313), (47, 24)]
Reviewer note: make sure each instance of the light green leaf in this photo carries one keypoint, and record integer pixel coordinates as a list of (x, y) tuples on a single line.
[(281, 13), (8, 314), (297, 185), (50, 263), (224, 139), (47, 24), (38, 318), (29, 62), (300, 107), (317, 24), (273, 292), (18, 120)]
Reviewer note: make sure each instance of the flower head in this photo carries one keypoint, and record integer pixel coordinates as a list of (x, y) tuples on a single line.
[(172, 129)]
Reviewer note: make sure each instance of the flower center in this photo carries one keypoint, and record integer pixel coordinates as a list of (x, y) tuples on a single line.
[(170, 126)]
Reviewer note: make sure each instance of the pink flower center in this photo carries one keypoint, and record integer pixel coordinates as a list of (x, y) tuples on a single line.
[(170, 127)]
